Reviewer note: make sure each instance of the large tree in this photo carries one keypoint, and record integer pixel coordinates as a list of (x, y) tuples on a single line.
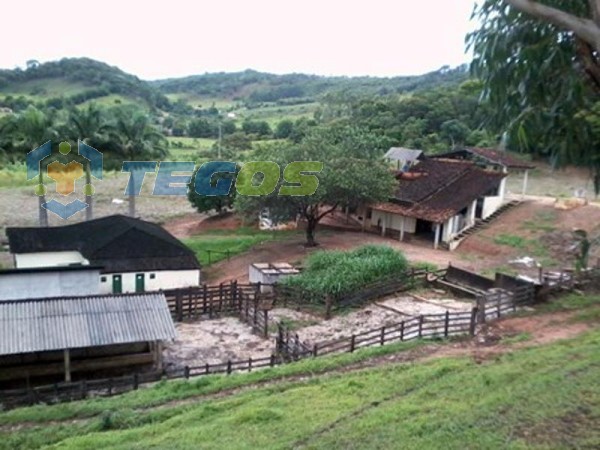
[(353, 174), (89, 125), (540, 67), (136, 139)]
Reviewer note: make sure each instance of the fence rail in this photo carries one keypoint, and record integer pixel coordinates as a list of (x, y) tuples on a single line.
[(245, 300)]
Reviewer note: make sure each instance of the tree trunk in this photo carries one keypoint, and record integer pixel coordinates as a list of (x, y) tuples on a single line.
[(132, 199), (311, 224), (89, 213)]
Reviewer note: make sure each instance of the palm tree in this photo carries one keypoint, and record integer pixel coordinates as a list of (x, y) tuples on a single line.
[(91, 127), (136, 139), (33, 128)]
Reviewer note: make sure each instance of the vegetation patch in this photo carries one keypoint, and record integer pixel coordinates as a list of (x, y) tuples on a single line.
[(338, 273)]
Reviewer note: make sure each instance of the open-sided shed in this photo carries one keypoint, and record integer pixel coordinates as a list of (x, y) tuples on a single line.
[(51, 336)]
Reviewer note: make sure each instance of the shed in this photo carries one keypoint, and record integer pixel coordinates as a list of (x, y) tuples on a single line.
[(269, 273), (404, 158), (51, 336)]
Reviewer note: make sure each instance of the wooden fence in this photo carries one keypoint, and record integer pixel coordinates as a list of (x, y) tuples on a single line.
[(429, 326), (242, 300)]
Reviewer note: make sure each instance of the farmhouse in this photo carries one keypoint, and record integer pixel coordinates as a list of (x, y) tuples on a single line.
[(492, 159), (135, 255), (438, 199), (63, 335)]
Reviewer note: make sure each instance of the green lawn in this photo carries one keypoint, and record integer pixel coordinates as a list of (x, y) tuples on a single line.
[(540, 397), (227, 243)]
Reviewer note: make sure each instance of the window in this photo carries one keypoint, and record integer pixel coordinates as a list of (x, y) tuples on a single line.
[(102, 279), (152, 276)]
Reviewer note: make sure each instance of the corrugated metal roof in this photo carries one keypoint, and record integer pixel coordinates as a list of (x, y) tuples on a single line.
[(74, 322)]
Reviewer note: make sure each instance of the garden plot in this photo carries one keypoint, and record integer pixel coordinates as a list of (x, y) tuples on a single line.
[(214, 341)]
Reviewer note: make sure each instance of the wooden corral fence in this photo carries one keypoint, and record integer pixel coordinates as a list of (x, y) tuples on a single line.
[(287, 295), (428, 326), (234, 299), (492, 305)]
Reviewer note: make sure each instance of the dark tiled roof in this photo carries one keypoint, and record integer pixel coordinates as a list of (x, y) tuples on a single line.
[(435, 189), (118, 243), (492, 156)]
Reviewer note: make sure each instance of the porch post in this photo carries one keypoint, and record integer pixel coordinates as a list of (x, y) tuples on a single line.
[(402, 228), (67, 357), (383, 222), (436, 240), (525, 180)]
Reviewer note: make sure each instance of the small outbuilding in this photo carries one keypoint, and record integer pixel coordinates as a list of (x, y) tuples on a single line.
[(268, 274), (59, 336)]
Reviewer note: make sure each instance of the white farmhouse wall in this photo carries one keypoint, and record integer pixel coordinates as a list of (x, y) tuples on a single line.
[(18, 286), (163, 279), (491, 205), (48, 259), (393, 221)]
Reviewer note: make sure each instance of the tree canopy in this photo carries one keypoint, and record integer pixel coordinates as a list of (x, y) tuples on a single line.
[(538, 67), (353, 173)]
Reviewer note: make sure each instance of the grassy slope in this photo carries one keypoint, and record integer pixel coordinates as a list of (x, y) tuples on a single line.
[(538, 397)]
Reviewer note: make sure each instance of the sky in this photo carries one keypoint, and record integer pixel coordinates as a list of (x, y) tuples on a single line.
[(163, 39)]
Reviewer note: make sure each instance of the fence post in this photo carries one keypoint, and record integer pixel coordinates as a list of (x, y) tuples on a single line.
[(110, 386), (266, 324), (421, 326), (250, 364), (221, 298), (136, 381), (83, 387), (480, 308), (204, 299), (446, 323), (272, 361), (254, 317), (473, 322), (352, 343), (186, 372), (402, 330), (328, 306), (179, 305), (315, 350), (234, 294), (207, 368), (382, 337), (228, 366)]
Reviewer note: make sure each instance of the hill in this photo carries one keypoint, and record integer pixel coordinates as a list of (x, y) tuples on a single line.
[(525, 382), (74, 80), (256, 86)]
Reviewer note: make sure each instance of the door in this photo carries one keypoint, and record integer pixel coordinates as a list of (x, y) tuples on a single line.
[(139, 282), (117, 286)]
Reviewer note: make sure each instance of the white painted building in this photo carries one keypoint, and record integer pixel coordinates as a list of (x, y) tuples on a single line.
[(47, 282), (439, 199), (135, 256)]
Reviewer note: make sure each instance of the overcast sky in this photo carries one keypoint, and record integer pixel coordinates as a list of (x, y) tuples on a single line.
[(160, 39)]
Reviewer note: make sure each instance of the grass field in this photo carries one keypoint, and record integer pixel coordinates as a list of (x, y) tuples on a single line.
[(544, 397), (216, 245)]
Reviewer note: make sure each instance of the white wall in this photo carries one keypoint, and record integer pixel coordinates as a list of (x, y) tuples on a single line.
[(48, 259), (164, 279), (17, 286), (491, 205), (393, 221)]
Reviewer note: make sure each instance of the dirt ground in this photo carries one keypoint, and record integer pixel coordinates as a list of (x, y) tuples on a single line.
[(218, 340)]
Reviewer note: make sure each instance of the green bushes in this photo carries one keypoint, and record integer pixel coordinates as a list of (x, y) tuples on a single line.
[(339, 273)]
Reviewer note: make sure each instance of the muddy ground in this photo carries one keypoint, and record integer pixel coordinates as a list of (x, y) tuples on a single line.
[(218, 340)]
